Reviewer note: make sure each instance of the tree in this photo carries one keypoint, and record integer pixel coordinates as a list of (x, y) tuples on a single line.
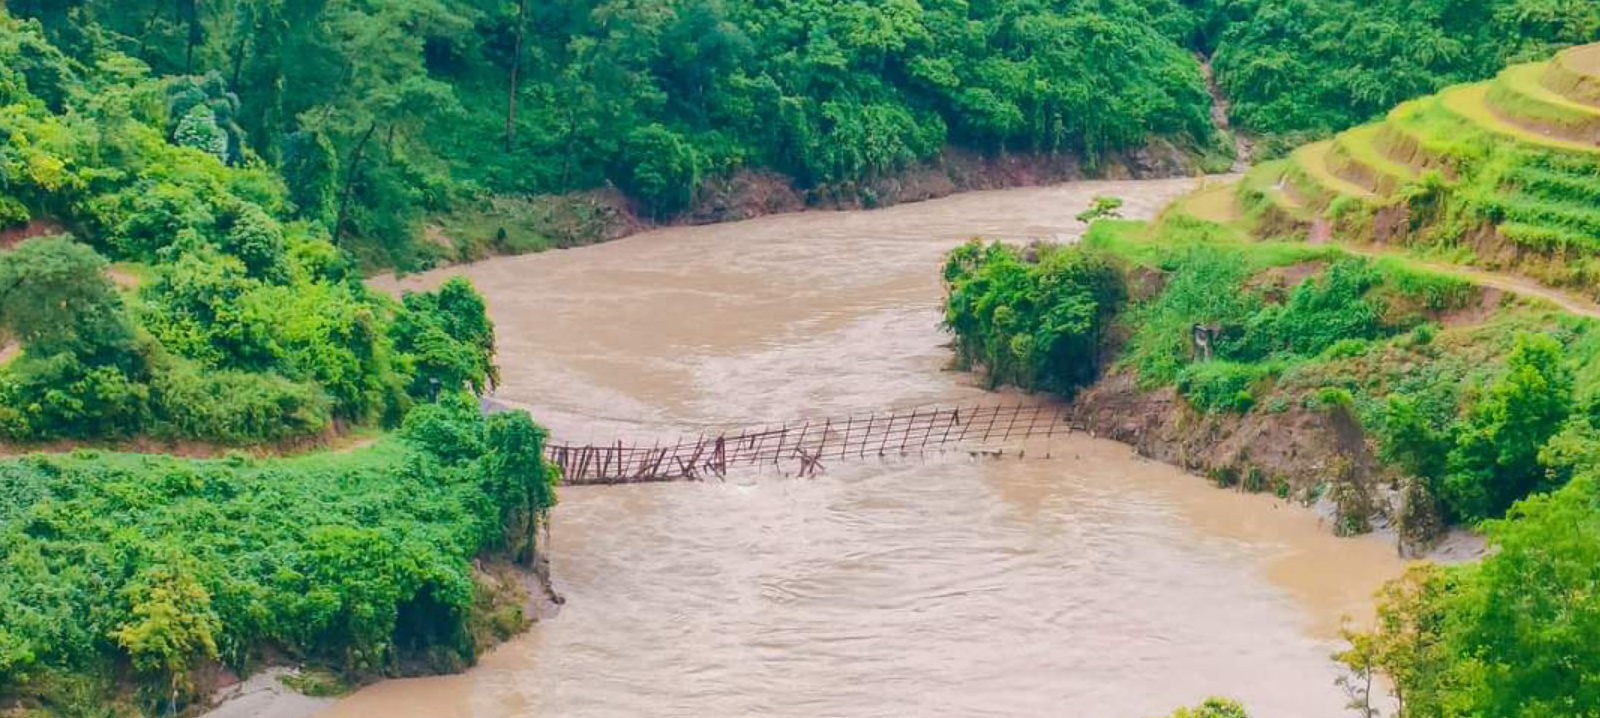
[(55, 298), (171, 625), (1517, 635), (1495, 460), (512, 86), (515, 474), (1213, 708), (660, 168)]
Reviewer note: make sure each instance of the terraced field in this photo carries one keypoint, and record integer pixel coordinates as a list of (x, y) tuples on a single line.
[(1503, 174)]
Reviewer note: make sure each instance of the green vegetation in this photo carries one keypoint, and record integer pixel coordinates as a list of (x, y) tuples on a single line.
[(1485, 418), (206, 353), (356, 562), (1307, 68), (1467, 412), (377, 115), (249, 326), (1515, 635), (1035, 321), (1499, 173), (1213, 708)]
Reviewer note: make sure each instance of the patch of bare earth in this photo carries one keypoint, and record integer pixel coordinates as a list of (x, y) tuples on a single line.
[(38, 227), (1488, 303), (122, 278)]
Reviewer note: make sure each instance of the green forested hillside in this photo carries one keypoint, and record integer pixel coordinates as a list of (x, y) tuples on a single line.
[(1318, 66), (377, 113), (1500, 174)]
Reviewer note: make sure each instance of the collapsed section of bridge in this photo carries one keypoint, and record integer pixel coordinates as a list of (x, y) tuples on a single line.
[(804, 447)]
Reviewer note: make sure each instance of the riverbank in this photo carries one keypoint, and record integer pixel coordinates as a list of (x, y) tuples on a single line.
[(508, 226), (520, 596), (391, 560), (1340, 380)]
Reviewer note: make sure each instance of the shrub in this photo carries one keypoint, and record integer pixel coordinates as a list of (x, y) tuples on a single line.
[(237, 408), (660, 167), (1205, 286), (1213, 708), (1222, 386), (1495, 460), (1320, 312), (1037, 324)]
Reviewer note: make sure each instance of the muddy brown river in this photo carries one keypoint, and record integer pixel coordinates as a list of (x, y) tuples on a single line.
[(1090, 584)]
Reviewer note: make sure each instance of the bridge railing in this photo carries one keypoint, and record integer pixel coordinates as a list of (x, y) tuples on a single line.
[(805, 446)]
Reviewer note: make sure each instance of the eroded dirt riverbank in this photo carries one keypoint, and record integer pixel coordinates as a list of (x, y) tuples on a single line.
[(1093, 583)]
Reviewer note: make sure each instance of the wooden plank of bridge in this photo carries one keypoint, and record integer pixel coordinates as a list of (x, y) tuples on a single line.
[(934, 419), (907, 438), (955, 418), (821, 445)]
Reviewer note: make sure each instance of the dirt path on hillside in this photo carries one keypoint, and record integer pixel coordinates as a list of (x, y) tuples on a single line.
[(1521, 286)]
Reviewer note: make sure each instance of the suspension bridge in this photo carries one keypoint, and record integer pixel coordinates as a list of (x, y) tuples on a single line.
[(807, 447)]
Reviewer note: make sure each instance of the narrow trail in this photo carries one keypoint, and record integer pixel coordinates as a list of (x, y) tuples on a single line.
[(1511, 283)]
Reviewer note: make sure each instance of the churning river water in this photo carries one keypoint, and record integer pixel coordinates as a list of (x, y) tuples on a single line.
[(1089, 584)]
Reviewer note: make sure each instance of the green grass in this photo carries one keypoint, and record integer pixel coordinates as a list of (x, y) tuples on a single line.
[(1575, 74), (1470, 104), (1519, 93), (1555, 184), (1311, 172), (1525, 209), (1362, 146), (1147, 244), (1269, 210)]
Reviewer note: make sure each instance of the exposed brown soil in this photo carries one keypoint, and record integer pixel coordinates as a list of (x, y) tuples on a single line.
[(334, 438), (38, 227), (583, 218), (1298, 445), (1278, 280), (1487, 305)]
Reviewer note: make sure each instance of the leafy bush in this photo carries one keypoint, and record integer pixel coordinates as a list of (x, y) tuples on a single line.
[(1221, 386), (235, 408), (255, 361), (660, 168), (1205, 286), (1495, 460), (1036, 324), (1213, 708), (1320, 312)]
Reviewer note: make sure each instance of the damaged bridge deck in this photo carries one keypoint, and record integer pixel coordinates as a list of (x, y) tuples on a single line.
[(807, 447)]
